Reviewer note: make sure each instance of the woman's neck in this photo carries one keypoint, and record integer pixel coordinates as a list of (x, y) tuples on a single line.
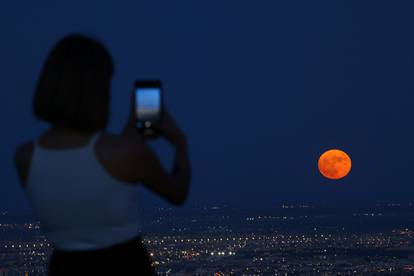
[(62, 130), (63, 137)]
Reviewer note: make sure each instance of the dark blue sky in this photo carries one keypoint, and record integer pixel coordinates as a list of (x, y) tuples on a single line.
[(261, 88)]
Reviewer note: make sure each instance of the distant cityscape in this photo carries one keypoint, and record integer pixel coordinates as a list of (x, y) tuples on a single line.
[(291, 239)]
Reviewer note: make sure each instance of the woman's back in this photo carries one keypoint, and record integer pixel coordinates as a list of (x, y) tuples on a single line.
[(81, 206), (84, 192)]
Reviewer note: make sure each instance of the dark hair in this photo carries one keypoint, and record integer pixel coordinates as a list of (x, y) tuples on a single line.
[(73, 89)]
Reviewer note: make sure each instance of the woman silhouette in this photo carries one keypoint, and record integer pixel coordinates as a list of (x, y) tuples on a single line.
[(81, 180)]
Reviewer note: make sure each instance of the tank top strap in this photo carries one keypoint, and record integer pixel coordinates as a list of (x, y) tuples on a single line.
[(93, 140), (35, 143), (36, 148)]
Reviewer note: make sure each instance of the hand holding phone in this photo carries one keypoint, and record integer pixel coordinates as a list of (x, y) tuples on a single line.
[(148, 106), (169, 129)]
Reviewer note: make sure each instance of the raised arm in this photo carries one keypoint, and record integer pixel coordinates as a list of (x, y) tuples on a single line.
[(173, 185)]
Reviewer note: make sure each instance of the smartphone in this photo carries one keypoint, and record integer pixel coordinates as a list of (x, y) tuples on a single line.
[(148, 105)]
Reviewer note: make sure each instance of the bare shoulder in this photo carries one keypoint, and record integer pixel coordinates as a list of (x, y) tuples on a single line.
[(121, 155), (122, 146), (22, 159)]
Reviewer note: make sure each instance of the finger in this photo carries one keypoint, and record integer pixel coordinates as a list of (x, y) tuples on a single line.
[(133, 105), (157, 127)]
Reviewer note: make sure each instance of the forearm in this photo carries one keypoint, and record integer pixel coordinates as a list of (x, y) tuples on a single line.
[(181, 172), (129, 127)]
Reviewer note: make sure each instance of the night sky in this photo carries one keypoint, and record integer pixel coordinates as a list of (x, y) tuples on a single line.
[(261, 89)]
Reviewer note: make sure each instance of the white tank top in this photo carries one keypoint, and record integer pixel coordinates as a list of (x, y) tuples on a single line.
[(79, 205)]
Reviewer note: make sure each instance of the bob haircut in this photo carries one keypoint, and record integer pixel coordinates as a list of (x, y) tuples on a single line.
[(73, 89)]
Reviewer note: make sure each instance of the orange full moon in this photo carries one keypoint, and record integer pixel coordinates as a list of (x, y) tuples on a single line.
[(334, 164)]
